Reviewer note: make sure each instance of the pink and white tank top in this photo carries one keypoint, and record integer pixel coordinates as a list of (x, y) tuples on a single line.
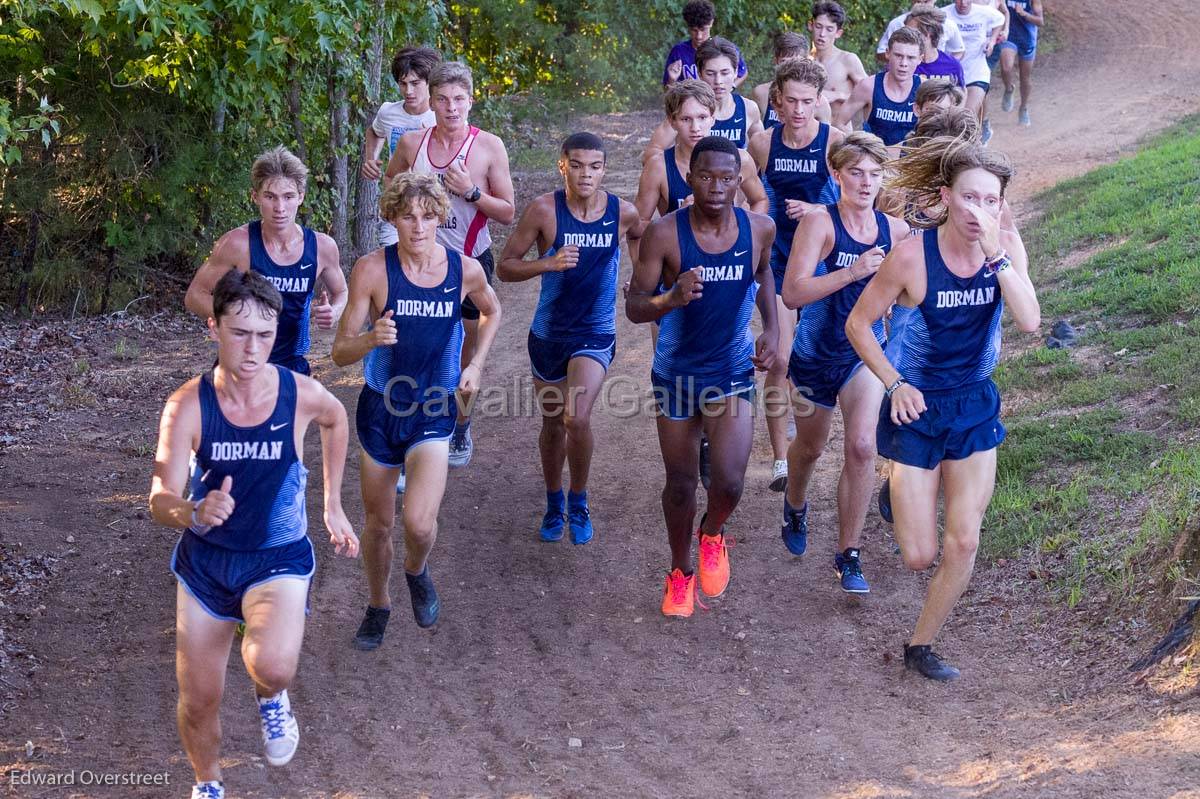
[(465, 230)]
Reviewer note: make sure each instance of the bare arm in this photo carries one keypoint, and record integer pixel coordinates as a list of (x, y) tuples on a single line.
[(641, 303), (760, 149), (497, 200), (232, 251), (767, 343), (177, 431), (329, 274), (897, 276), (662, 138), (762, 98), (859, 100), (812, 241), (754, 120), (402, 156), (1015, 286), (476, 286), (330, 415), (752, 187), (352, 343), (650, 188), (632, 226), (372, 146), (1036, 17), (536, 227)]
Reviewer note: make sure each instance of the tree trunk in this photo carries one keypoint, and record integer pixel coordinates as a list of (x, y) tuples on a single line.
[(293, 102), (339, 159), (218, 127), (366, 195), (110, 267)]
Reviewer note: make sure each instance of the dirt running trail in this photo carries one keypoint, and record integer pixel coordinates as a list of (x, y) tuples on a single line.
[(785, 687)]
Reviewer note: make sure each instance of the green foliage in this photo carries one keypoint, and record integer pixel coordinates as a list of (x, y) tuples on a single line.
[(127, 126), (1105, 432)]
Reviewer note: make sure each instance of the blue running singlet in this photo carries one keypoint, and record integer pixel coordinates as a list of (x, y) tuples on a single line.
[(821, 332), (423, 364), (296, 283), (677, 188), (268, 477), (736, 127), (710, 338), (795, 174), (582, 300), (952, 339), (1021, 33), (772, 120), (889, 120)]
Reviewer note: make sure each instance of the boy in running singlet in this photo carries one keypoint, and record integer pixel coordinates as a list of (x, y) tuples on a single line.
[(294, 258), (412, 292), (735, 119), (793, 161), (573, 338), (787, 45), (886, 100), (1019, 51), (244, 555), (473, 166), (702, 271)]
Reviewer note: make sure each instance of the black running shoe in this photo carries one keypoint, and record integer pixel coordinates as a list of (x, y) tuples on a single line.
[(370, 632), (885, 501), (923, 660), (705, 479), (424, 598)]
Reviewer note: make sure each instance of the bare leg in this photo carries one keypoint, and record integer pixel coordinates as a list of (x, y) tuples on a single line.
[(776, 394), (552, 442), (201, 655), (679, 441), (860, 399), (968, 490), (731, 437), (378, 484), (585, 376), (426, 466)]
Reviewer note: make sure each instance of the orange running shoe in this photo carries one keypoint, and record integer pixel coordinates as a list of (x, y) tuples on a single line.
[(714, 564), (679, 595)]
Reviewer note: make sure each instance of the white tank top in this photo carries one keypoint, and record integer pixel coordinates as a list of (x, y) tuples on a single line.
[(465, 230)]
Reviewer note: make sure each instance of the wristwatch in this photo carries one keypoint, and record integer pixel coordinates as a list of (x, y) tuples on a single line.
[(892, 388), (473, 195)]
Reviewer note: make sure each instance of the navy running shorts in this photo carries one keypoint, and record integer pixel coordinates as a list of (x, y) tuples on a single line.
[(488, 262), (957, 423), (820, 381), (387, 434), (218, 578), (548, 359), (1026, 51), (684, 397), (983, 84)]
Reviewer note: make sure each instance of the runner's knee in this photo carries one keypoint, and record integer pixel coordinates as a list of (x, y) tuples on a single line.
[(860, 450), (680, 486), (269, 668), (577, 425)]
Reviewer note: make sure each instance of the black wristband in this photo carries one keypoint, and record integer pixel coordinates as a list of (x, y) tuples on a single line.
[(900, 381)]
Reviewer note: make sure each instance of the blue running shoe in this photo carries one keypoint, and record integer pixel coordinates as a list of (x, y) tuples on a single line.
[(795, 531), (849, 571), (552, 526), (425, 603), (579, 517), (885, 500)]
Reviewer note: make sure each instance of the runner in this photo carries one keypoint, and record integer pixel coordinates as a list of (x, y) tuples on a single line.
[(1025, 17), (929, 22), (293, 258), (886, 101), (792, 159), (244, 555), (979, 24), (838, 249), (410, 68), (951, 41), (843, 69), (940, 423), (713, 262), (698, 16), (690, 106), (572, 340), (735, 119), (473, 166), (411, 356), (993, 61), (787, 45)]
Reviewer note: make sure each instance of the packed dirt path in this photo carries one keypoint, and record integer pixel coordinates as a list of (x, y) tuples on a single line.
[(784, 687)]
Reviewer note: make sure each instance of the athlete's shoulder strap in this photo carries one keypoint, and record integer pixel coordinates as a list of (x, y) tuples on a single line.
[(884, 237)]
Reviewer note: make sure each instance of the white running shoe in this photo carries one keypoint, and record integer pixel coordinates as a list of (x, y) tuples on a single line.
[(779, 476), (400, 482), (461, 447), (212, 789), (281, 733)]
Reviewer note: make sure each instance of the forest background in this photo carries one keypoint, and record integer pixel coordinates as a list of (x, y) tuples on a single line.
[(127, 127)]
